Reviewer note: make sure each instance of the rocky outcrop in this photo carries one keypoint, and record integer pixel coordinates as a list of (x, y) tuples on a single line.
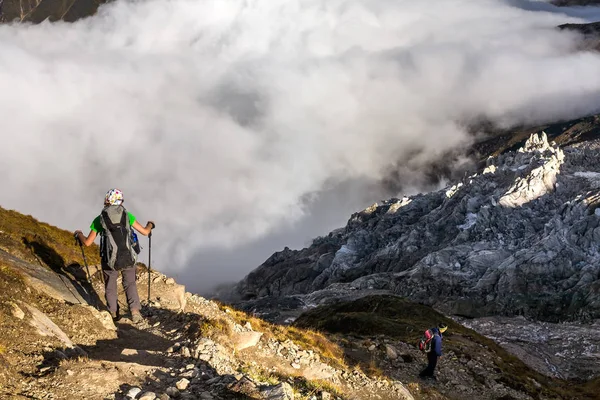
[(566, 3), (519, 238), (195, 349), (53, 10), (590, 33), (567, 351)]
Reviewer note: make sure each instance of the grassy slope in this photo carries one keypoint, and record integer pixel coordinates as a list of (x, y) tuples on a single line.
[(28, 239), (400, 319)]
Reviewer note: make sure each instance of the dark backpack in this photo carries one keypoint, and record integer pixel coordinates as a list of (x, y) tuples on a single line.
[(425, 342), (116, 241)]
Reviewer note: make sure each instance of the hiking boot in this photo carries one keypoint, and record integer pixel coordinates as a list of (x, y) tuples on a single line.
[(115, 316), (136, 317)]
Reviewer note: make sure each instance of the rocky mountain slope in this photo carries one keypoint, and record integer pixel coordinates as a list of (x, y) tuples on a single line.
[(518, 238), (57, 341)]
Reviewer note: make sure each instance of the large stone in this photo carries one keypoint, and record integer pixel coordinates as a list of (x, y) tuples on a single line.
[(104, 317), (133, 392), (61, 287), (182, 384), (174, 298), (391, 352), (243, 340), (282, 391), (46, 327)]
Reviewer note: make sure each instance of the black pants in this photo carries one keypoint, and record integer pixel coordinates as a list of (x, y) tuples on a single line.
[(428, 371)]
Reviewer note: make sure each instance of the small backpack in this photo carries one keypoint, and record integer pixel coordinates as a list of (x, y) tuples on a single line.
[(116, 242), (425, 342)]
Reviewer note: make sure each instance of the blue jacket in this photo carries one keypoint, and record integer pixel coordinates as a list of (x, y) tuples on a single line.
[(436, 342)]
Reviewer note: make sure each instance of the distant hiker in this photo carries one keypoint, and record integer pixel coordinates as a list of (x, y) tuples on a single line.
[(117, 251), (432, 346)]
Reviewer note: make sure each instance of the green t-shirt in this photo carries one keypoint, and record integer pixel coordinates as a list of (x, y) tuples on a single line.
[(96, 225)]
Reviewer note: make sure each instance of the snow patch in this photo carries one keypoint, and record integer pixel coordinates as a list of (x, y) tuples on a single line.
[(399, 204), (452, 191)]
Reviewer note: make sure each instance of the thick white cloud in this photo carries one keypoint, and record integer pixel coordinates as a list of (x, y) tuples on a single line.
[(218, 118)]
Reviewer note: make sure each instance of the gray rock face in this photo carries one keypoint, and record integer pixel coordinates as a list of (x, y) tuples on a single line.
[(567, 351), (519, 238)]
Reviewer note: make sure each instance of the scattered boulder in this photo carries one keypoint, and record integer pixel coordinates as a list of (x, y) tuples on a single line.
[(148, 396), (282, 391), (182, 384), (16, 311), (243, 340), (103, 316), (133, 392), (391, 352)]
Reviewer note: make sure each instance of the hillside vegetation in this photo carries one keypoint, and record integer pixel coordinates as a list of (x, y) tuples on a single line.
[(57, 341), (399, 320)]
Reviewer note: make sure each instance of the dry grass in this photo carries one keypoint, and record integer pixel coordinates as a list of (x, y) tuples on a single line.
[(260, 375), (214, 328), (372, 370), (310, 339), (307, 339), (11, 274), (397, 318), (21, 234), (314, 387), (304, 388)]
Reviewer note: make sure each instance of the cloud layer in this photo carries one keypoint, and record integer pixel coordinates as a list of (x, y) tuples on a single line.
[(222, 119)]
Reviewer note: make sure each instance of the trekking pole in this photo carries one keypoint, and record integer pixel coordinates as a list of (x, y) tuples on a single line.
[(89, 277), (150, 259), (77, 241)]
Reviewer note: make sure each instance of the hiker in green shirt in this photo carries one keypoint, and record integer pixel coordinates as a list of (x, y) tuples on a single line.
[(114, 225)]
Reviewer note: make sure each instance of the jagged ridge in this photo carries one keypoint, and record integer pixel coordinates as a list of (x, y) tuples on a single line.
[(518, 239)]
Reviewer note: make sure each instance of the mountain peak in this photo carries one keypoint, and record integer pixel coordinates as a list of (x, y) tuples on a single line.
[(498, 242)]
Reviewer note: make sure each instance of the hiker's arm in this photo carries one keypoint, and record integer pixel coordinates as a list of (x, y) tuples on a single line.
[(143, 230), (86, 240)]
